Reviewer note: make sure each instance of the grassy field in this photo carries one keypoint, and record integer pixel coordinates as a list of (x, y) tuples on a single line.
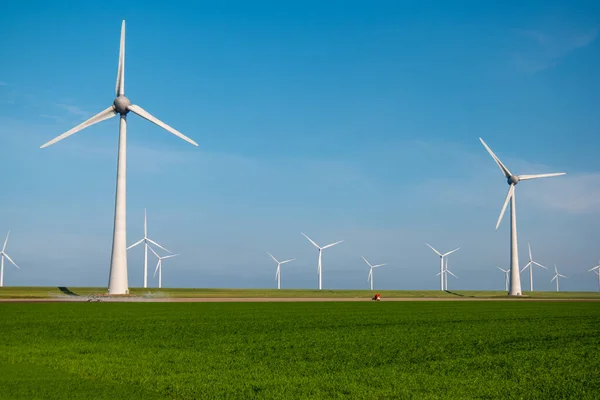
[(49, 292), (394, 350)]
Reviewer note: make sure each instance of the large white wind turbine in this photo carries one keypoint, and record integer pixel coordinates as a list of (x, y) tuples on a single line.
[(441, 274), (556, 276), (2, 256), (117, 281), (530, 265), (159, 265), (319, 265), (506, 272), (596, 269), (146, 240), (278, 273), (370, 278), (515, 278)]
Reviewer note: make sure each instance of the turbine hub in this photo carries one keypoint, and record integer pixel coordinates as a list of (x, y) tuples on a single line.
[(121, 105), (513, 180)]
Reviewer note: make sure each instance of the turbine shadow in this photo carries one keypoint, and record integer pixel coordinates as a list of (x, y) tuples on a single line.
[(457, 294), (66, 291)]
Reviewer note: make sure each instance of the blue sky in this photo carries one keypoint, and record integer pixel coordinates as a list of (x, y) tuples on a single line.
[(344, 120)]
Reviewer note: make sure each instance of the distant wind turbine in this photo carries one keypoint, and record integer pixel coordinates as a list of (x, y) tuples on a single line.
[(530, 265), (441, 274), (278, 273), (2, 256), (370, 278), (506, 272), (159, 265), (515, 278), (319, 265), (556, 276), (596, 269), (117, 280), (445, 273), (146, 240)]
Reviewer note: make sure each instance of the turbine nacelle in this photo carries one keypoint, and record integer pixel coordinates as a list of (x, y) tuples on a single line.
[(121, 105), (513, 180)]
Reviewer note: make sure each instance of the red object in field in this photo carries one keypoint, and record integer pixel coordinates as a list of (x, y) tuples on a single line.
[(376, 297)]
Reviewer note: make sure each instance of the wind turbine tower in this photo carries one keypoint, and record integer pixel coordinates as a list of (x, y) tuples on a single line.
[(146, 240), (530, 265), (556, 275), (319, 265), (278, 273), (159, 265), (3, 255), (441, 274), (117, 280), (596, 269), (370, 278), (515, 279)]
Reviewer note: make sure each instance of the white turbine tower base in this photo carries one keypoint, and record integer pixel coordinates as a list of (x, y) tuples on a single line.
[(3, 255), (442, 273), (146, 240), (159, 265), (117, 281), (515, 279), (596, 269), (319, 265), (556, 275), (278, 272), (371, 267), (530, 265)]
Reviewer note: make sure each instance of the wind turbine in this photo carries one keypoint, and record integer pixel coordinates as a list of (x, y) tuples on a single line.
[(441, 274), (596, 269), (556, 276), (159, 265), (117, 281), (2, 255), (445, 273), (506, 272), (146, 240), (278, 273), (319, 269), (370, 278), (530, 265), (515, 278)]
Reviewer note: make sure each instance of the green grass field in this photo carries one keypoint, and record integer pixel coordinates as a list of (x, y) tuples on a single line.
[(49, 292), (370, 350)]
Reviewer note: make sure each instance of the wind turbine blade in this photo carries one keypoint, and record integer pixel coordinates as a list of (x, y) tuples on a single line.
[(287, 261), (553, 278), (10, 259), (145, 225), (169, 256), (5, 241), (528, 177), (120, 86), (511, 191), (503, 168), (316, 245), (436, 252), (596, 267), (370, 274), (332, 244), (379, 265), (501, 269), (529, 246), (158, 245), (273, 257), (145, 114), (526, 266), (539, 265), (450, 252), (563, 276), (154, 252), (136, 243), (157, 266), (101, 116), (448, 271), (368, 263)]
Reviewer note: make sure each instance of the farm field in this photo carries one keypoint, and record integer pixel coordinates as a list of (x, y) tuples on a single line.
[(370, 350), (52, 292)]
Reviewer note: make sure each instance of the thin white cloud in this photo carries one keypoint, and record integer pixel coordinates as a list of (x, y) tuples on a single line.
[(540, 50)]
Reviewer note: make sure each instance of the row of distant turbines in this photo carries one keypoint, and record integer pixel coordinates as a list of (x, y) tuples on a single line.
[(118, 283)]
